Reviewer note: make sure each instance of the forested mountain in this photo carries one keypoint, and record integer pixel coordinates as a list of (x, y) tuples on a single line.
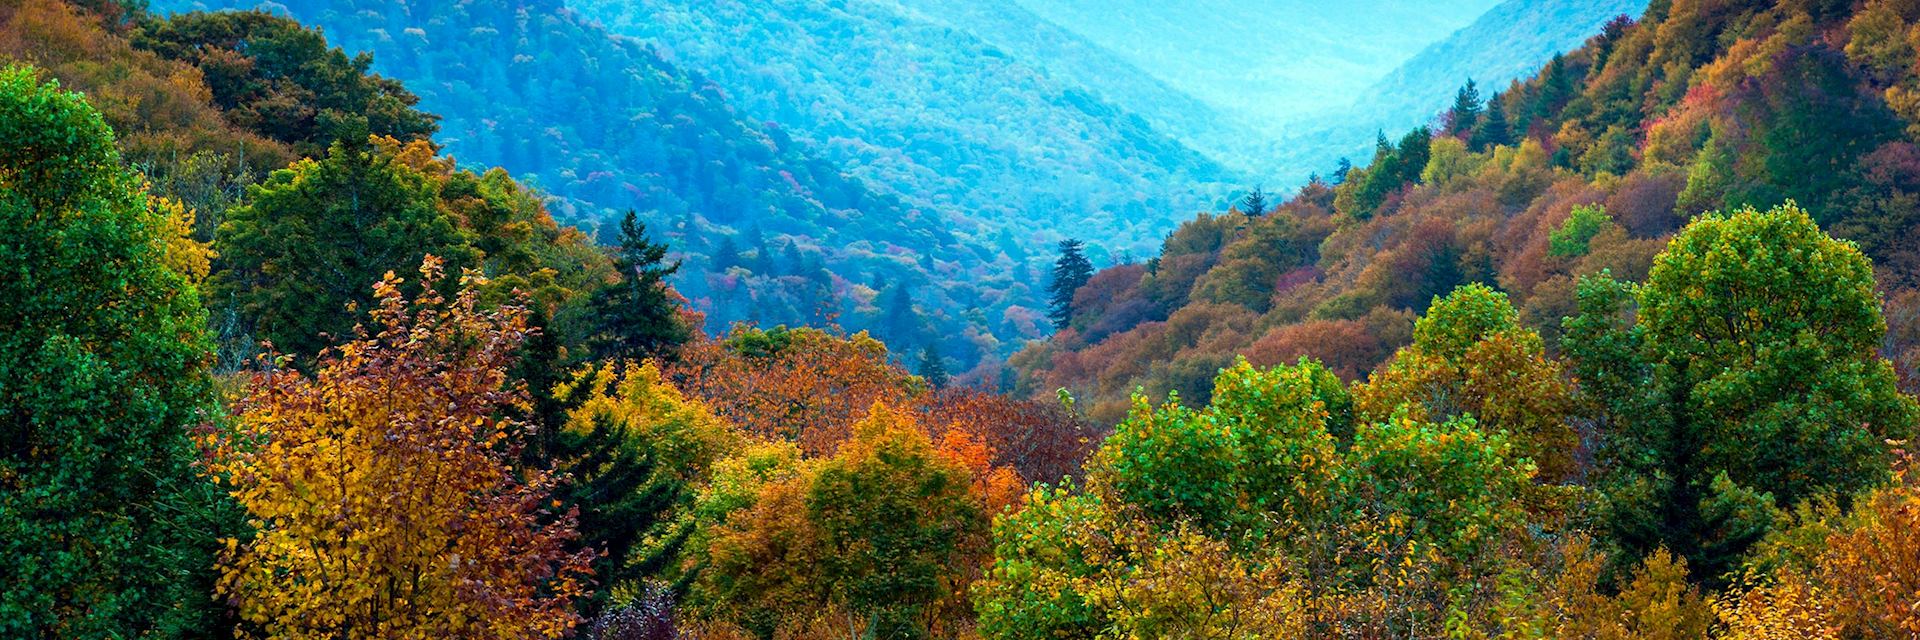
[(770, 231), (1587, 166), (1026, 36), (1508, 42), (1627, 350), (1264, 61), (936, 114)]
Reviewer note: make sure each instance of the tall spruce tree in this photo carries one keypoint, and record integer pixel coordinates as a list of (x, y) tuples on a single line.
[(933, 367), (1466, 110), (1070, 272), (1493, 129), (636, 317), (1255, 204)]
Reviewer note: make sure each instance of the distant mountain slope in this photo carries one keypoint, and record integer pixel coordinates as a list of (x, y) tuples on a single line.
[(1511, 41), (1026, 36), (770, 231), (1268, 61), (1508, 42), (941, 116), (1606, 152)]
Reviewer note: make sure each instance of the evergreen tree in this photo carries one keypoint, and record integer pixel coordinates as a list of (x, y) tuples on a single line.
[(1493, 129), (106, 529), (899, 321), (1070, 272), (1556, 88), (1341, 170), (636, 317), (933, 367), (790, 254), (726, 255), (1466, 110), (1254, 205), (762, 263)]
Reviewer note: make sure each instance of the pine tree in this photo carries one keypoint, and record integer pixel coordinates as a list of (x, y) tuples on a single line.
[(726, 255), (1070, 272), (637, 317), (1466, 110), (1341, 170), (762, 254), (899, 321), (933, 367), (1493, 129), (1255, 204)]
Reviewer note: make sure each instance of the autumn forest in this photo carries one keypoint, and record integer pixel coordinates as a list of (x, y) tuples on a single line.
[(904, 319)]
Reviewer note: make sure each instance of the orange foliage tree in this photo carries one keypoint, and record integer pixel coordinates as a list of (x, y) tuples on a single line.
[(803, 385), (383, 488), (1042, 441)]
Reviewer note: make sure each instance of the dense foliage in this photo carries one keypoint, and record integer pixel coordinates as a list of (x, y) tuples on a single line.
[(1590, 165), (103, 370), (1617, 352), (769, 228)]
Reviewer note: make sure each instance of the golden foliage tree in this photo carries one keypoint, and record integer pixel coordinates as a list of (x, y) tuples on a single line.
[(383, 491)]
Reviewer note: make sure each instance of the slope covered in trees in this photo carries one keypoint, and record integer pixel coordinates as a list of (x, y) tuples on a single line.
[(1509, 41), (1558, 398), (1587, 166), (935, 114), (771, 231), (1263, 62)]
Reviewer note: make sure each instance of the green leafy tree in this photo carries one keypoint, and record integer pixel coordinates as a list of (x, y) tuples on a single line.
[(1257, 457), (637, 316), (893, 516), (310, 238), (1471, 357), (1070, 272), (1571, 240), (1759, 335), (1039, 557), (278, 78), (103, 371)]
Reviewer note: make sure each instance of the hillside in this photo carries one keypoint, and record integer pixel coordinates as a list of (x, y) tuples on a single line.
[(770, 230), (936, 115), (1507, 43), (1264, 62), (1631, 350), (1688, 111), (1067, 56)]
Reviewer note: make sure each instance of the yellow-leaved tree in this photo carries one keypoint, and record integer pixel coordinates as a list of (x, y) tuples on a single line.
[(383, 486)]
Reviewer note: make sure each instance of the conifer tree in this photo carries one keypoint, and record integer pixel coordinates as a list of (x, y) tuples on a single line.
[(1466, 110), (726, 255), (933, 367), (637, 317), (1492, 130), (1070, 272), (1255, 204)]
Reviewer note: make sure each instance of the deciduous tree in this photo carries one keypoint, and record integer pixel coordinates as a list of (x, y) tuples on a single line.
[(384, 490), (103, 370)]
